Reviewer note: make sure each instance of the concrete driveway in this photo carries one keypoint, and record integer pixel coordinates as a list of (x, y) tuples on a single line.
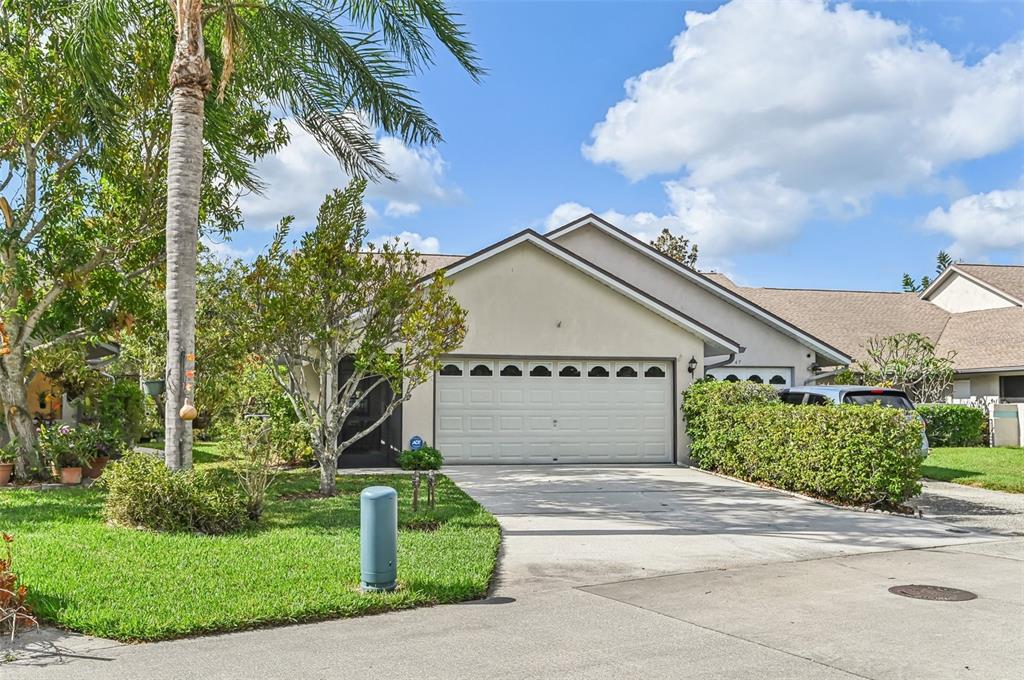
[(655, 572)]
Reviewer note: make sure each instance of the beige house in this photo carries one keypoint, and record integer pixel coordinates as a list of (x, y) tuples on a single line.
[(974, 310), (581, 342)]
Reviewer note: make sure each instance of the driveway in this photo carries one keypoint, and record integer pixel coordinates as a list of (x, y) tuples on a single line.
[(659, 572), (996, 512)]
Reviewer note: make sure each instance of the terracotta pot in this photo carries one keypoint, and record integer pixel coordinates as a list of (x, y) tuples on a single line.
[(5, 473), (96, 468), (71, 475)]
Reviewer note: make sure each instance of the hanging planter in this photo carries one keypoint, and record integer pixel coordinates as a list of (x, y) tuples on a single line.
[(154, 388)]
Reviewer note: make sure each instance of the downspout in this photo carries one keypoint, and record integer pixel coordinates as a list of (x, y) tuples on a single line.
[(723, 362)]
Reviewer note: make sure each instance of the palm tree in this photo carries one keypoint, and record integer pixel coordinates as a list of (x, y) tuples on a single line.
[(338, 67)]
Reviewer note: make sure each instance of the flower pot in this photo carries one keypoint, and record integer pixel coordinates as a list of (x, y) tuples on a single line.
[(95, 468), (154, 388), (5, 473), (71, 475)]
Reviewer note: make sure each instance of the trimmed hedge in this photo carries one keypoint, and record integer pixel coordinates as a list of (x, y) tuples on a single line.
[(953, 424), (844, 453)]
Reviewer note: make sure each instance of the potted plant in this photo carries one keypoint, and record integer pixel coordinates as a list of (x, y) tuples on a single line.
[(98, 444), (61, 446), (8, 454)]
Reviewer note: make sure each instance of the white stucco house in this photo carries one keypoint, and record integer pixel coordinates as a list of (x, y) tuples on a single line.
[(581, 341)]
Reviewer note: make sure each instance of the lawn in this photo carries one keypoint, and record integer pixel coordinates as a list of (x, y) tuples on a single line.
[(301, 563), (1001, 469)]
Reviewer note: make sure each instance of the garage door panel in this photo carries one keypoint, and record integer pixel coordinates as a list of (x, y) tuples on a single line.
[(560, 414)]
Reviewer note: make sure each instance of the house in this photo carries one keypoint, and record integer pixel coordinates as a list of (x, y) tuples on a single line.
[(973, 310), (581, 342)]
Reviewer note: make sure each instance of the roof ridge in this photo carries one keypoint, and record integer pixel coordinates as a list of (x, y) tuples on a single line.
[(828, 290)]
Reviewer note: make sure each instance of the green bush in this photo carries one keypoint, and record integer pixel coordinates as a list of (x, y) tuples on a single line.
[(142, 492), (427, 458), (848, 454), (119, 408), (953, 424)]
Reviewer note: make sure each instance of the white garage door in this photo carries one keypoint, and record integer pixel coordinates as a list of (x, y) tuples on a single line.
[(549, 411), (773, 375)]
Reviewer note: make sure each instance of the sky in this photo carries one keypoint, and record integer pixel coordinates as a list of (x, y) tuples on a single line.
[(799, 144)]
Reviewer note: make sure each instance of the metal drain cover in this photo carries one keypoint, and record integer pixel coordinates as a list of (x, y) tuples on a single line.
[(939, 593)]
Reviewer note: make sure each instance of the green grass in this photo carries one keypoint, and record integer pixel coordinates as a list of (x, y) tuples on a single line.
[(301, 563), (1000, 468)]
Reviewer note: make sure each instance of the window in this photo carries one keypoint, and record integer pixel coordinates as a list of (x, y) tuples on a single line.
[(626, 372), (451, 369), (481, 369), (793, 398), (756, 379), (540, 371), (1011, 387), (569, 372), (511, 370), (888, 399), (654, 372), (818, 400), (777, 380), (597, 372), (731, 378)]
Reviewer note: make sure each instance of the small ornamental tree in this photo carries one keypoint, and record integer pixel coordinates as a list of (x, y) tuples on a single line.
[(678, 248), (335, 298), (908, 361)]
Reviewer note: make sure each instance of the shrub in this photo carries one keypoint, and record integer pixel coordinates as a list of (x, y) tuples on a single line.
[(118, 408), (14, 609), (427, 458), (142, 492), (59, 446), (953, 424), (848, 454), (251, 448)]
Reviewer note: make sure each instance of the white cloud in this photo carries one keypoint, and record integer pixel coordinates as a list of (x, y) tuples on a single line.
[(224, 251), (414, 241), (981, 222), (300, 175), (771, 112)]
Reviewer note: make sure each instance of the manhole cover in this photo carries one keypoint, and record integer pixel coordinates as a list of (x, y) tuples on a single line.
[(938, 593)]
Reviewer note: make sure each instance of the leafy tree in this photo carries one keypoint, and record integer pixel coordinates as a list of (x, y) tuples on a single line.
[(81, 210), (678, 248), (908, 361), (336, 298), (942, 262), (337, 67)]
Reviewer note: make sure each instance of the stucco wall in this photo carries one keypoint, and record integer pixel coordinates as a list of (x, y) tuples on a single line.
[(525, 302), (764, 345), (960, 294)]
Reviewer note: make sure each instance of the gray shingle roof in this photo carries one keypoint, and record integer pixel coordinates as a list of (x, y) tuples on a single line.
[(985, 339), (1008, 278)]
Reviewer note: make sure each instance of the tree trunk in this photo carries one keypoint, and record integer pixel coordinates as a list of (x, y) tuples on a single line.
[(190, 81), (328, 472), (19, 423)]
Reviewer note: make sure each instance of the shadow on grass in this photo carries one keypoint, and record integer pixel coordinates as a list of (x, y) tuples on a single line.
[(945, 474)]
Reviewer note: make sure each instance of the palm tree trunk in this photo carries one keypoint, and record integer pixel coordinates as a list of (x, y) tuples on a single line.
[(190, 81)]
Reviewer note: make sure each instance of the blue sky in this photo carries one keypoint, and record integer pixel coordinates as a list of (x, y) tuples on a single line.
[(799, 144)]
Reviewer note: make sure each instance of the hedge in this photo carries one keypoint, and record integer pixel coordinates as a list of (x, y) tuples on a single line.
[(844, 453), (953, 424)]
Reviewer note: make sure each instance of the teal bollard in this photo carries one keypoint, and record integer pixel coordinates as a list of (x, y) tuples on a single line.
[(378, 538)]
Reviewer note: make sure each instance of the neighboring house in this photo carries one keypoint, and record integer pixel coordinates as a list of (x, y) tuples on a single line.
[(581, 342), (974, 310)]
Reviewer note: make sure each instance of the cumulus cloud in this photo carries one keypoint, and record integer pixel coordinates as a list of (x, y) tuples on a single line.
[(769, 113), (225, 251), (301, 174), (414, 241), (982, 222)]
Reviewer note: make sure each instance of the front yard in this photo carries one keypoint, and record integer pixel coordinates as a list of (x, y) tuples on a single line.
[(999, 469), (300, 563)]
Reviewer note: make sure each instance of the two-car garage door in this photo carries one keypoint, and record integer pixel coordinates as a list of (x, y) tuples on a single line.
[(555, 411)]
